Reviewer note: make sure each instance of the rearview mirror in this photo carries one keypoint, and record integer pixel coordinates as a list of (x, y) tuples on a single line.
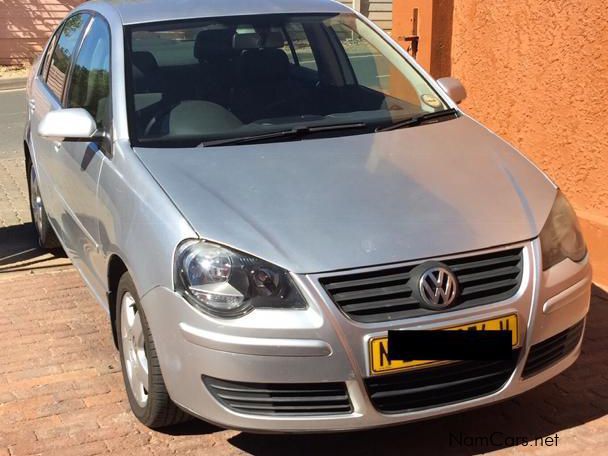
[(74, 124), (453, 88)]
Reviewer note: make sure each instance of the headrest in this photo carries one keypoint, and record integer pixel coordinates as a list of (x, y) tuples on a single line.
[(266, 66), (213, 43), (244, 41), (146, 76), (144, 61), (274, 40)]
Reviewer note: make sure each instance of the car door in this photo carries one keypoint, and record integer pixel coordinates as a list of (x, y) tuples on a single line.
[(46, 94), (88, 87)]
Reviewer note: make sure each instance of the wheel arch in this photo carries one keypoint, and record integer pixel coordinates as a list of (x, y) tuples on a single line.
[(116, 268), (27, 153)]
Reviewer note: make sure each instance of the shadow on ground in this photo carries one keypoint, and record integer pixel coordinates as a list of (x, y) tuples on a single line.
[(19, 250), (574, 398)]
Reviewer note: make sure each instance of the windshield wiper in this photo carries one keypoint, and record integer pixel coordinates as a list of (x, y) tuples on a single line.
[(298, 132), (418, 120)]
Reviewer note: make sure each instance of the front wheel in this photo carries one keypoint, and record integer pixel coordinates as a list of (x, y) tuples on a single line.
[(144, 382)]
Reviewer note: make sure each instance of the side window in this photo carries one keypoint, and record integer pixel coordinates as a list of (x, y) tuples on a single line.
[(301, 45), (62, 54), (371, 68), (90, 84), (46, 62)]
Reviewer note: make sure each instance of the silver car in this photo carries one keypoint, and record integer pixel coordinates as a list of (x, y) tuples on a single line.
[(258, 192)]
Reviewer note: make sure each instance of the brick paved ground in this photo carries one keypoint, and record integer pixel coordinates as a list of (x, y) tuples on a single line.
[(61, 390), (14, 209), (18, 248)]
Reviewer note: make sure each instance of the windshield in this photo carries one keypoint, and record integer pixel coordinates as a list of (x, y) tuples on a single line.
[(199, 81)]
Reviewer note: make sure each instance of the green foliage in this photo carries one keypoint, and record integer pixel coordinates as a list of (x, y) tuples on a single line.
[(88, 89)]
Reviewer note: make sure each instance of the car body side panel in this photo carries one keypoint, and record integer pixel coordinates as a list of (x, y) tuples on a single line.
[(138, 222), (81, 165), (63, 181), (42, 150)]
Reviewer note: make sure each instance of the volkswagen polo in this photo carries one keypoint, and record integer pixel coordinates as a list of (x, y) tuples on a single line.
[(261, 194)]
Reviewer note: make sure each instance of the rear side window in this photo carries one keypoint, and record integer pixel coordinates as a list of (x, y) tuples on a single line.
[(90, 84), (62, 55), (44, 68)]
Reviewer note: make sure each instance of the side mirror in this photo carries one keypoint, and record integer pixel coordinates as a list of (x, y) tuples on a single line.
[(74, 124), (453, 88)]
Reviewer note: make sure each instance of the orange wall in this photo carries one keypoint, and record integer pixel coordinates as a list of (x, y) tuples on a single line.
[(434, 28), (25, 25), (537, 73)]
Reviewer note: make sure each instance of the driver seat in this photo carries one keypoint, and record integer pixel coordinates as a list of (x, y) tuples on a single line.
[(214, 52), (262, 78)]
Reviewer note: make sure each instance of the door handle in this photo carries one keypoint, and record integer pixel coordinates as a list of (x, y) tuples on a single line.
[(32, 105)]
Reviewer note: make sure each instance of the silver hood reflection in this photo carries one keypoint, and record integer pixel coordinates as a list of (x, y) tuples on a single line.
[(326, 204)]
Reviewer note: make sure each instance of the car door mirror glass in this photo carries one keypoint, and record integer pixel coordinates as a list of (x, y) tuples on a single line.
[(74, 124), (453, 88)]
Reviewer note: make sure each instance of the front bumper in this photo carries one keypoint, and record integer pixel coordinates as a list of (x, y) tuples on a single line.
[(321, 345)]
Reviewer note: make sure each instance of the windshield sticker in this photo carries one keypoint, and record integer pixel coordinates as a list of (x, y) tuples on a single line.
[(431, 100)]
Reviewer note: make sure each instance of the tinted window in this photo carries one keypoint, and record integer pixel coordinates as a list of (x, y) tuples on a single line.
[(198, 81), (301, 45), (62, 55), (372, 69), (90, 85), (44, 68)]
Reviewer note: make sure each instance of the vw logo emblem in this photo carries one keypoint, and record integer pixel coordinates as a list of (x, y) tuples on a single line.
[(438, 287)]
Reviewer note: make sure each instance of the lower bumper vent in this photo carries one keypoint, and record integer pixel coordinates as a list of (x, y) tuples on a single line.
[(284, 399), (548, 352), (436, 386)]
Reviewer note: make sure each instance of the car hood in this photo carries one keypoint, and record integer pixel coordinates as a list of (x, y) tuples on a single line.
[(327, 204)]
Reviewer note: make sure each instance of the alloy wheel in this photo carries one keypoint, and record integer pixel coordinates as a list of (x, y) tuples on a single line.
[(134, 350), (36, 200)]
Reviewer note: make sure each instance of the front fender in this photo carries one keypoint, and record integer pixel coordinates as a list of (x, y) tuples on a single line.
[(138, 221)]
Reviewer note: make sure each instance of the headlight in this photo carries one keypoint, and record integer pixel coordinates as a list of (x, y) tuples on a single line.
[(227, 283), (561, 236)]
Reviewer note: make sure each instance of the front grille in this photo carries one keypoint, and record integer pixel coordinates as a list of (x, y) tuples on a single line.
[(386, 294), (550, 351), (284, 399), (440, 385)]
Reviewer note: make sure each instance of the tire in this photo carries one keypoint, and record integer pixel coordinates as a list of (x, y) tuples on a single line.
[(149, 399), (47, 239)]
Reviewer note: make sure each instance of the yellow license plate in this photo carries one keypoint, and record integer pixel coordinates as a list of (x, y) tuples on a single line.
[(378, 347)]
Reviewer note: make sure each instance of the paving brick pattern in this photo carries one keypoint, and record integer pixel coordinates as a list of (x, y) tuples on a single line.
[(14, 208), (18, 244), (61, 392)]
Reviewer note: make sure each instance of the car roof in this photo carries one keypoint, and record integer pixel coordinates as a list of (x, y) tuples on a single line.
[(141, 11)]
